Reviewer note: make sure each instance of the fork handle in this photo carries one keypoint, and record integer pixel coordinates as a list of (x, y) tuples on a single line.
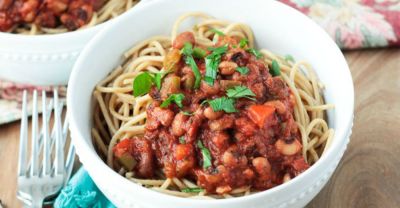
[(38, 203)]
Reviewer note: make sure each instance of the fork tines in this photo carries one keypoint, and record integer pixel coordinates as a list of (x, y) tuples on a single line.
[(39, 179)]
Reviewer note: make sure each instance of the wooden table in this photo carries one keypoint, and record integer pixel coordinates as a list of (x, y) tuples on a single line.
[(369, 173)]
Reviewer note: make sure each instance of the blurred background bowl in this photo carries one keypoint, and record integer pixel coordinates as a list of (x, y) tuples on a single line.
[(44, 59)]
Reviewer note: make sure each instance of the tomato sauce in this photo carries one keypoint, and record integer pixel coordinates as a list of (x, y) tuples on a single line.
[(255, 146)]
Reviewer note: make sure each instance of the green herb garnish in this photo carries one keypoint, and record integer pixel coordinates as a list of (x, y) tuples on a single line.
[(176, 98), (212, 61), (219, 50), (199, 53), (142, 84), (218, 32), (187, 50), (255, 52), (240, 92), (223, 104), (243, 70), (186, 113), (275, 68), (182, 140), (192, 190), (158, 78), (243, 42), (206, 154), (289, 58)]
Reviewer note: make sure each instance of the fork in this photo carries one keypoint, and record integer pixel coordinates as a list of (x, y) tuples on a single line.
[(36, 181)]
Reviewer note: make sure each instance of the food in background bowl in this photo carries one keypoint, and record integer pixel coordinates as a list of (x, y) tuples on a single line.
[(204, 113), (57, 16)]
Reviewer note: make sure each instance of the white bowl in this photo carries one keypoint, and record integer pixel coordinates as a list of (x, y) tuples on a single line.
[(43, 59), (276, 27)]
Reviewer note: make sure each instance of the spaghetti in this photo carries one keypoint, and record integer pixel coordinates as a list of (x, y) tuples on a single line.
[(119, 115)]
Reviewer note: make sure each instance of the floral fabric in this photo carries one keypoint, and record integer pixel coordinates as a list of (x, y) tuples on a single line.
[(11, 99), (355, 23), (351, 23)]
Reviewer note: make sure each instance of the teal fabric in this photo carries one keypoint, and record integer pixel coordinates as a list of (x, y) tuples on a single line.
[(81, 192)]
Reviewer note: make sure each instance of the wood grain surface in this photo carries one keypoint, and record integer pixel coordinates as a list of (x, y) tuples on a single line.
[(369, 173)]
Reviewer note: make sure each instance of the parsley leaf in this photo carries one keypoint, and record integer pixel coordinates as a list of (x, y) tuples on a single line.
[(192, 190), (255, 52), (206, 154), (176, 98), (243, 70), (275, 68), (211, 69), (219, 50), (240, 92), (223, 103), (243, 42), (186, 113), (187, 50), (199, 53), (158, 78), (182, 140), (212, 61), (289, 58), (142, 84), (197, 75), (218, 32)]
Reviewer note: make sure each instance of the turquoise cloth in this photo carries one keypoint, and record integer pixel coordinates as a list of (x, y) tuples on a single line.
[(81, 192)]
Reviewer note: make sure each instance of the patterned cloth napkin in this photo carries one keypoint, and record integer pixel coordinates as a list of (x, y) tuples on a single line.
[(11, 99), (82, 192), (351, 23), (355, 23)]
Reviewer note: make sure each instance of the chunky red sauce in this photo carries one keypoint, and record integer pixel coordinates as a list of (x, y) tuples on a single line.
[(72, 14), (256, 146)]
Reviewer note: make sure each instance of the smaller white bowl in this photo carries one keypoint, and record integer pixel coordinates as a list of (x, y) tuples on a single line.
[(276, 27), (44, 59)]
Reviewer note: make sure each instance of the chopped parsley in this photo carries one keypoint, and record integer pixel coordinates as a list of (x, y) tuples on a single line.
[(243, 42), (182, 140), (289, 58), (142, 84), (187, 50), (206, 154), (255, 52), (275, 68), (187, 113), (158, 78), (223, 104), (212, 61), (218, 32), (176, 98), (242, 70), (192, 190), (199, 53), (240, 92)]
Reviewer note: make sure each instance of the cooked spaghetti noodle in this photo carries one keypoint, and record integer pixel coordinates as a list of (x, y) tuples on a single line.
[(119, 115)]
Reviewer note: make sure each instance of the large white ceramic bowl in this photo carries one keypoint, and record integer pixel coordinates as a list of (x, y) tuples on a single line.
[(276, 27), (43, 59)]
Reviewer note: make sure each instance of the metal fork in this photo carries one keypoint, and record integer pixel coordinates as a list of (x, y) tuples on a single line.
[(36, 181)]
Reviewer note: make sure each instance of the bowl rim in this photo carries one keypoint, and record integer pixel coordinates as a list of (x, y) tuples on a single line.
[(342, 137)]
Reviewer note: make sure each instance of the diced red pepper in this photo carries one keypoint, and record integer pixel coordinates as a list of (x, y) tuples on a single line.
[(260, 113)]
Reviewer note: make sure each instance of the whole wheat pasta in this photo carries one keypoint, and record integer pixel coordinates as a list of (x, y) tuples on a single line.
[(124, 115)]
